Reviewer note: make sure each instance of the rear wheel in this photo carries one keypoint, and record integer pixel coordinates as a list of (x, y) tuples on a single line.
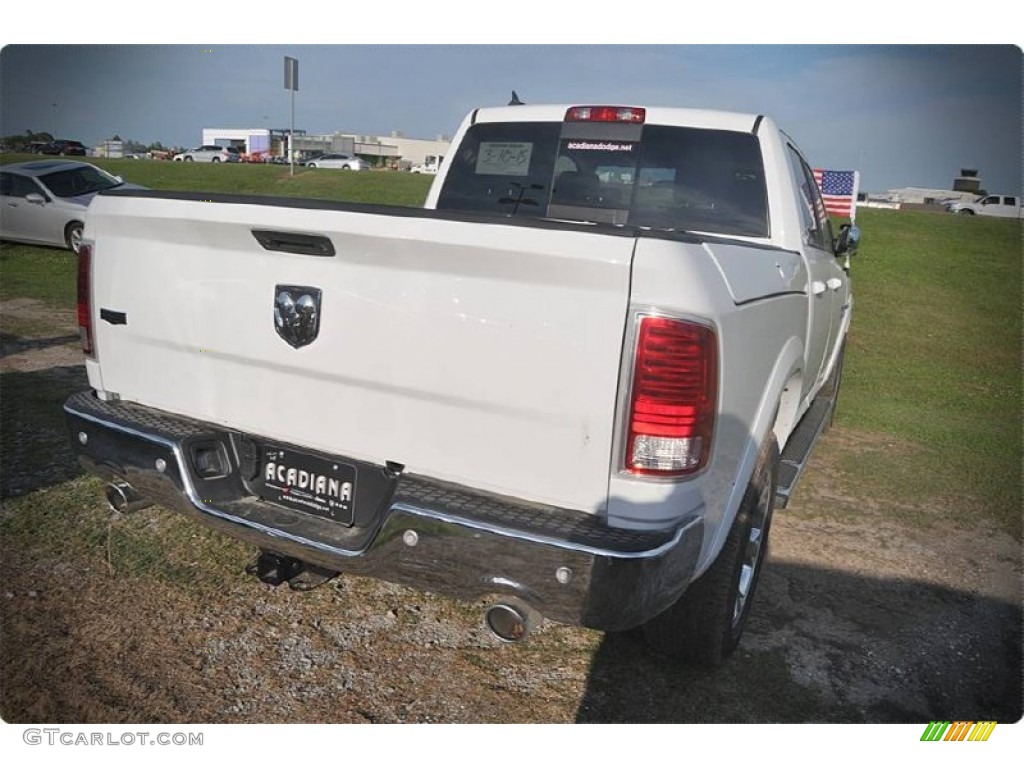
[(705, 624), (966, 212), (215, 160), (73, 235)]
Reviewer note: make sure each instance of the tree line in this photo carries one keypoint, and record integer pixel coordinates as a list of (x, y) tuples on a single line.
[(23, 142)]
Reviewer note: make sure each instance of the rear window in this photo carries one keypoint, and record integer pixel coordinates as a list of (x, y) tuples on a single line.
[(663, 177)]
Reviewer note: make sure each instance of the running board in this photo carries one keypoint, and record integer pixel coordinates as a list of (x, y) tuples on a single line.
[(799, 446)]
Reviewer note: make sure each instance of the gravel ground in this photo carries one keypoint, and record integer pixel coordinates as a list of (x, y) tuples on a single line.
[(151, 618)]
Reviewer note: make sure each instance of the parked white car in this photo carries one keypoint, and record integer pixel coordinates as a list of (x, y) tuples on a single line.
[(1003, 206), (209, 153), (342, 162), (44, 201)]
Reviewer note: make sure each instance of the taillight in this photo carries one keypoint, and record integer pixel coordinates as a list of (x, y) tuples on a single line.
[(673, 401), (605, 115), (85, 298)]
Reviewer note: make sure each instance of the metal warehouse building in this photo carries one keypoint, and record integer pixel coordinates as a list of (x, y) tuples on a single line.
[(394, 150)]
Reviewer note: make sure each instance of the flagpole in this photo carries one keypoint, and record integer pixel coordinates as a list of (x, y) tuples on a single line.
[(853, 202)]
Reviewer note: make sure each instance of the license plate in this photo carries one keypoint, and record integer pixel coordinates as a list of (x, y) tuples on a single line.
[(307, 483)]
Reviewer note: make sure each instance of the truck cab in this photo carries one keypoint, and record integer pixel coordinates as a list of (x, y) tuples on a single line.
[(431, 164)]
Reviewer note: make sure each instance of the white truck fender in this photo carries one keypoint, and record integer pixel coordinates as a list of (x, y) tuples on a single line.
[(779, 408)]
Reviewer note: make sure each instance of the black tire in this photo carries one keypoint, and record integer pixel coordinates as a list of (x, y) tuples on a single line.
[(188, 159), (705, 624), (214, 159), (73, 235), (311, 165), (966, 212)]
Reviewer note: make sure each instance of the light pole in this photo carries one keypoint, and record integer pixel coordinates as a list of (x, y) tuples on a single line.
[(54, 106), (291, 83)]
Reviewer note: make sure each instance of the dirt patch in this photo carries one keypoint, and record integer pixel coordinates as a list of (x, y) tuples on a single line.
[(860, 616), (35, 337), (41, 363)]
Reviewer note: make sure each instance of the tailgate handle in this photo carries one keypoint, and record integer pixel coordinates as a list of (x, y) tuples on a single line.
[(113, 317), (294, 242)]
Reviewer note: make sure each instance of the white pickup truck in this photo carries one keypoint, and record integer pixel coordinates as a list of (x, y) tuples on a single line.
[(574, 385), (1003, 206)]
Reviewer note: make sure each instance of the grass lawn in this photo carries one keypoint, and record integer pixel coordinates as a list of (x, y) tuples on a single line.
[(386, 187), (38, 272), (935, 360)]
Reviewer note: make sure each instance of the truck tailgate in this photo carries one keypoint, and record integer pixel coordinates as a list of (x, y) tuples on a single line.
[(480, 353)]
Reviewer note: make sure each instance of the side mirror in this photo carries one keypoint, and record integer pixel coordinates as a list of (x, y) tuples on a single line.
[(35, 198), (849, 238)]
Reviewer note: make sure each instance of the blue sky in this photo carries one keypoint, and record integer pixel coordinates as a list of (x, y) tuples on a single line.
[(904, 115)]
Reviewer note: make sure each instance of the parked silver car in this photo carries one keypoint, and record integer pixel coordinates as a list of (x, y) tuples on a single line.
[(43, 202), (209, 153), (344, 162)]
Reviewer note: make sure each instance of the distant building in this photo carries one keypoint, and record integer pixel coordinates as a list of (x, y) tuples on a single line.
[(412, 151), (109, 148), (925, 196), (394, 151), (966, 187), (319, 143), (967, 181), (253, 142)]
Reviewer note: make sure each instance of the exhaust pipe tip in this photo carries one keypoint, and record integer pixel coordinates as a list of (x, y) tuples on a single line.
[(510, 623), (121, 497)]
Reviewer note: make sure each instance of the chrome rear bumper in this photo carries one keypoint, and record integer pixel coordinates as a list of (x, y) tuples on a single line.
[(565, 564)]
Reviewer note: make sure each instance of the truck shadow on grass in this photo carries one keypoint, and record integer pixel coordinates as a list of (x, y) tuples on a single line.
[(829, 646), (34, 448), (10, 344)]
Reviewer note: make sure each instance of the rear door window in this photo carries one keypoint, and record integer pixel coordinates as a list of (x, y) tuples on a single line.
[(813, 214), (15, 185)]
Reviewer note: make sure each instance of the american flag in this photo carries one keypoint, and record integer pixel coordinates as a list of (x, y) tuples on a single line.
[(839, 190)]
